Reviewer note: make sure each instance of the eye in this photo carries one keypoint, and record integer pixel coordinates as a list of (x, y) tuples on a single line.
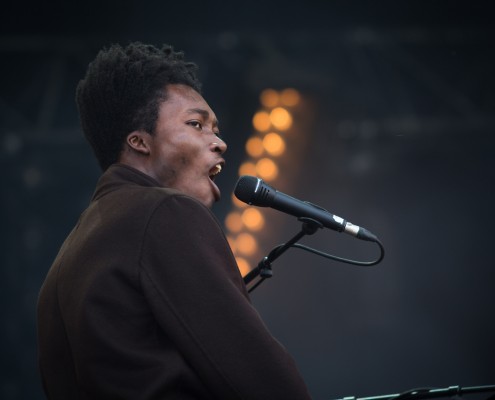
[(195, 124)]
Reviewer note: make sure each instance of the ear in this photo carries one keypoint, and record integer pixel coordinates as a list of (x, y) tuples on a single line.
[(138, 141)]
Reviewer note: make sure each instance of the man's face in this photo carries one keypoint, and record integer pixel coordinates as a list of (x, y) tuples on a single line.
[(185, 152)]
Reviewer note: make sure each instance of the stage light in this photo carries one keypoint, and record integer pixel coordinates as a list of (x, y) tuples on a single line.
[(254, 147), (243, 265), (274, 144), (269, 98), (233, 221), (281, 118), (267, 169), (290, 97), (246, 244), (261, 121), (253, 219), (247, 168)]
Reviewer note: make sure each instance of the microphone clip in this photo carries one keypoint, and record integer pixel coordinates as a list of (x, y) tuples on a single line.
[(310, 225), (264, 267)]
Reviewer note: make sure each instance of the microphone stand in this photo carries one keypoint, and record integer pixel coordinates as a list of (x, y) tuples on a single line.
[(428, 393), (264, 267)]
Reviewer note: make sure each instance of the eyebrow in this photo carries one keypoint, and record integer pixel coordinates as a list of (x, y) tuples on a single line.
[(204, 113)]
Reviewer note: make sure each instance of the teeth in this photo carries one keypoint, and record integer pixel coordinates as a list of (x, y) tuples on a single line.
[(217, 170)]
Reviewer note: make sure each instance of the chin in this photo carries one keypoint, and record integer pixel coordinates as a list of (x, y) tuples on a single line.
[(209, 203)]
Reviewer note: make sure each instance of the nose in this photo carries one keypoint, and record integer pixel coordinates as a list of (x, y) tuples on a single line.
[(219, 146)]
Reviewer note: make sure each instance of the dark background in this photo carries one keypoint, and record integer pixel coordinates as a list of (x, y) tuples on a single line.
[(400, 108)]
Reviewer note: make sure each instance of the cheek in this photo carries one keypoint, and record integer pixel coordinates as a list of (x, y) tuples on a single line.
[(178, 156), (181, 156), (184, 161), (187, 154)]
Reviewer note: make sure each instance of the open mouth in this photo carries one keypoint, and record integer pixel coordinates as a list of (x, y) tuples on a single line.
[(215, 171)]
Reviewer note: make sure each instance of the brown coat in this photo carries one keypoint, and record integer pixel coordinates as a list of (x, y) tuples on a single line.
[(145, 301)]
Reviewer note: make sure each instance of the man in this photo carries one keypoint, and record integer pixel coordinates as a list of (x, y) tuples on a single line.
[(144, 300)]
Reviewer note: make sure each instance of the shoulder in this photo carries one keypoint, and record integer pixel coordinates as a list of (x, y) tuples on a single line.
[(173, 207), (183, 232)]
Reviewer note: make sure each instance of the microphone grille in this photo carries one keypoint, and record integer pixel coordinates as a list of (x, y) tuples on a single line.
[(245, 187)]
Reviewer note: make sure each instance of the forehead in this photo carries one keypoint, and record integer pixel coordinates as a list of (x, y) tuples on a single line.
[(183, 100)]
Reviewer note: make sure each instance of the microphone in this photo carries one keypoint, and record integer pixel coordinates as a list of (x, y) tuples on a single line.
[(254, 191)]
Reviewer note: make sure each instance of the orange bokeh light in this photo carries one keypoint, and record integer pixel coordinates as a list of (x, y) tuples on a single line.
[(233, 221), (261, 121), (247, 168), (274, 144), (243, 266), (231, 242), (253, 219), (281, 118), (290, 97), (267, 169), (269, 98), (246, 244), (254, 147)]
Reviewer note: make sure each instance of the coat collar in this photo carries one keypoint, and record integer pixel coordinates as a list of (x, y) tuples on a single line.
[(121, 174)]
